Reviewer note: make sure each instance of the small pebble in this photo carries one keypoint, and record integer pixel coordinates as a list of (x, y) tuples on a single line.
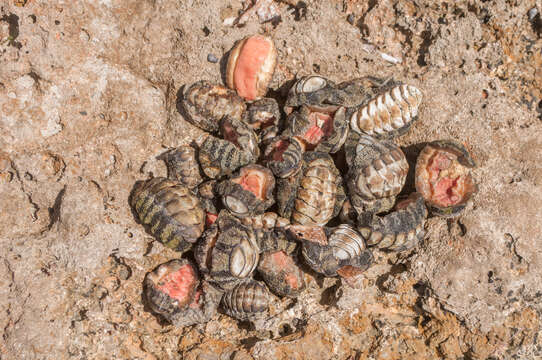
[(212, 58), (351, 18)]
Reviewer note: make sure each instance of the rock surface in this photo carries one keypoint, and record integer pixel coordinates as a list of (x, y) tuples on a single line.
[(88, 100)]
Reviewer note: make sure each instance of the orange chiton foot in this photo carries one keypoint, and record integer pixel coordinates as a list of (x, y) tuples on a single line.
[(250, 66), (443, 177)]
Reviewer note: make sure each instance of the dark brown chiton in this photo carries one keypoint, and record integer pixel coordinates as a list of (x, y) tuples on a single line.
[(174, 291), (220, 157), (313, 90), (249, 192), (171, 211), (246, 300), (205, 104), (400, 230), (443, 177), (228, 252), (182, 165)]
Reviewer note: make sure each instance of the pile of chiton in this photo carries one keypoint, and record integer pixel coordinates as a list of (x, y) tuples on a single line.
[(264, 196)]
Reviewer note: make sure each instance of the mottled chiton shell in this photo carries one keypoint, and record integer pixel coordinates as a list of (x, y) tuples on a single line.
[(220, 157), (241, 135), (182, 165), (401, 229), (250, 66), (171, 287), (377, 175), (265, 221), (248, 192), (284, 155), (263, 116), (443, 177), (172, 213), (321, 129), (333, 251), (320, 194), (205, 104), (246, 299), (313, 90), (228, 252), (388, 114), (281, 274)]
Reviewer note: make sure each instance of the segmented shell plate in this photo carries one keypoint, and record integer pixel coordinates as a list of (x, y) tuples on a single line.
[(244, 258), (229, 252), (284, 156), (265, 221), (346, 242), (389, 114), (246, 299), (379, 171), (183, 166), (171, 211), (400, 230), (316, 196), (219, 157)]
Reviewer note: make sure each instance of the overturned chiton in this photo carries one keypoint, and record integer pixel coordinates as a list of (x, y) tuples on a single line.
[(284, 155), (249, 192), (205, 104), (322, 129), (400, 230), (171, 212), (250, 66), (201, 309), (281, 273), (443, 177), (171, 287)]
